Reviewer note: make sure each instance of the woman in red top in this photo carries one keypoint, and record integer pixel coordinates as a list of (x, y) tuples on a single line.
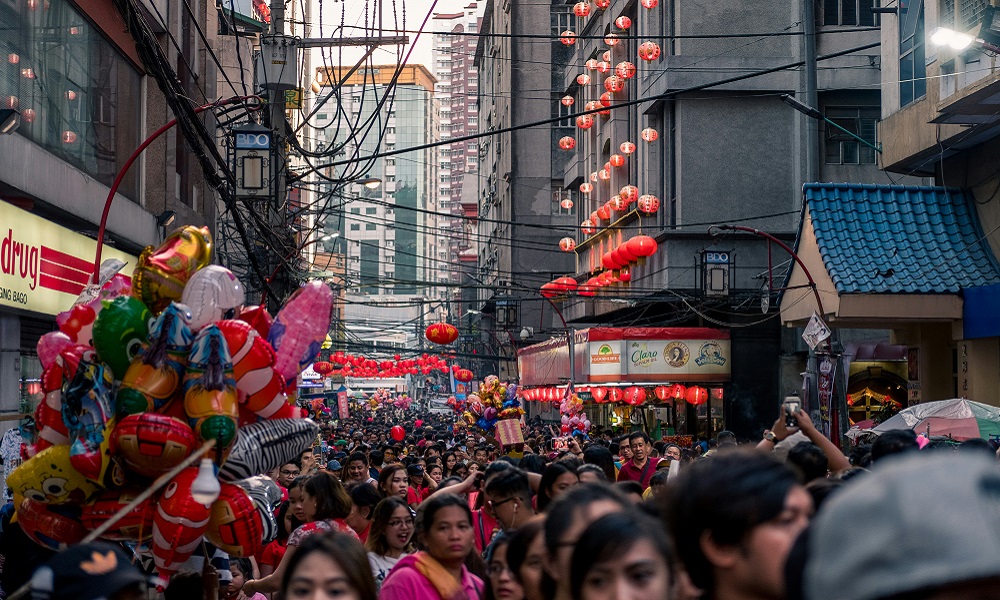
[(274, 551), (325, 504)]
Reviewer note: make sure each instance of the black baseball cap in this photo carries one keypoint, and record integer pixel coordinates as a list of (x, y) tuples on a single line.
[(93, 571)]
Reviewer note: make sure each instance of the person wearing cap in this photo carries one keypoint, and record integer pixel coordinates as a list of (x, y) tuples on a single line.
[(420, 485), (95, 571), (919, 526), (334, 466)]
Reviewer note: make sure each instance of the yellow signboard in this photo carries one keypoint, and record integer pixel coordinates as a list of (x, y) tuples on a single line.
[(293, 98), (44, 267)]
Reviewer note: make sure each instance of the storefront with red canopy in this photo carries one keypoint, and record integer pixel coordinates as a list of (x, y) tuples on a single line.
[(667, 379)]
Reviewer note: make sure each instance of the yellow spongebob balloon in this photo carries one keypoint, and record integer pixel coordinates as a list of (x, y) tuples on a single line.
[(161, 274), (49, 478)]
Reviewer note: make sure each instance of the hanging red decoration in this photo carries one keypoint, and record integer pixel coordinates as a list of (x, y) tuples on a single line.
[(323, 368), (567, 244), (599, 394), (662, 393), (595, 218), (607, 166), (585, 121), (617, 160), (615, 394), (606, 56), (608, 263), (567, 100), (604, 174), (588, 227), (614, 84), (568, 37), (441, 333), (625, 70), (624, 254), (649, 203), (603, 66), (649, 3), (583, 79), (548, 290), (623, 22), (696, 395), (586, 188), (604, 213), (649, 51), (464, 375), (611, 39), (630, 193), (625, 274), (591, 64), (587, 290), (593, 176), (566, 204), (566, 284), (581, 9), (642, 246), (677, 392), (606, 99), (635, 395), (602, 4), (617, 203), (567, 142), (649, 134), (627, 147)]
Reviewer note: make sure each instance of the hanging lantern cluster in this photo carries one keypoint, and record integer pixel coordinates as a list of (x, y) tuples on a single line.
[(350, 365), (567, 142), (628, 252), (559, 287), (567, 244)]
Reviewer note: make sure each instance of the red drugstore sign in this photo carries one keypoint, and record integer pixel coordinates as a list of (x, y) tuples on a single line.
[(44, 267)]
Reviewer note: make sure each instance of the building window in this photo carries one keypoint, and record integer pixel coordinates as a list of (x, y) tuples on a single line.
[(356, 211), (969, 13), (369, 226), (912, 68), (849, 12), (355, 227), (370, 210), (842, 149)]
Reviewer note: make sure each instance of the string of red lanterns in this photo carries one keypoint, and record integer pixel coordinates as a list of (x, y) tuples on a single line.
[(633, 395)]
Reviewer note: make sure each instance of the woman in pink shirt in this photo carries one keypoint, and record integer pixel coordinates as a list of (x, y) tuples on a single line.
[(444, 534)]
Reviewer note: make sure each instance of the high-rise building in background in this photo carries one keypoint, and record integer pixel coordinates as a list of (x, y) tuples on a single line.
[(389, 235)]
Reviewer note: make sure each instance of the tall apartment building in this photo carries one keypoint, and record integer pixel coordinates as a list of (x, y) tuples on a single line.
[(391, 236), (84, 102)]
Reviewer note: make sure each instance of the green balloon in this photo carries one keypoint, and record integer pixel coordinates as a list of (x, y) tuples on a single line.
[(120, 331)]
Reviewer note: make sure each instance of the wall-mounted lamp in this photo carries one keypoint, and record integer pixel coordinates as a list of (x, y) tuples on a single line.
[(527, 332), (166, 218), (988, 37), (10, 119), (816, 114)]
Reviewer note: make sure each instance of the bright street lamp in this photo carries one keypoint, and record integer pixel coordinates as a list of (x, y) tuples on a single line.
[(956, 40), (371, 183)]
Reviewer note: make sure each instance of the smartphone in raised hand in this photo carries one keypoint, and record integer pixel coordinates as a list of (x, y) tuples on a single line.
[(790, 406)]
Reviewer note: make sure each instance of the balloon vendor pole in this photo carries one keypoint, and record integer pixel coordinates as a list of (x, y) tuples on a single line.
[(161, 481)]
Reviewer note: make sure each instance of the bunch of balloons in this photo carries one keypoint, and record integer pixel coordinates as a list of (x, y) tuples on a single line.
[(456, 404), (493, 401), (144, 372), (573, 418)]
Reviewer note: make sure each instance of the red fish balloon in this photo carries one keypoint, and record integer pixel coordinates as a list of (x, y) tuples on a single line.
[(135, 525), (152, 444), (154, 377), (178, 524), (235, 527), (210, 399), (299, 330), (261, 389)]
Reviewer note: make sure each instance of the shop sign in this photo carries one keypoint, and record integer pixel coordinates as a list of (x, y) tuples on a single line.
[(605, 359), (677, 360), (44, 267)]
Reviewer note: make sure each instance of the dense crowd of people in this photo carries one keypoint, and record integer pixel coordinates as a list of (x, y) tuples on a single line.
[(450, 513)]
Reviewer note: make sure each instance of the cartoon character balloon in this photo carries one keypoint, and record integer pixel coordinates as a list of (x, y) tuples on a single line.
[(49, 478), (161, 274), (53, 527), (88, 411), (178, 524), (235, 527), (213, 294), (135, 525), (120, 331), (267, 445), (155, 376), (210, 399), (261, 388), (300, 328), (152, 444)]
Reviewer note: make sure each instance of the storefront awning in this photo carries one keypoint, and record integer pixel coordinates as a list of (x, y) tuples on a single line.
[(887, 253), (630, 354)]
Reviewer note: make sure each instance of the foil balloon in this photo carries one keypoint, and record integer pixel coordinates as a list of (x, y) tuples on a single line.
[(152, 444), (178, 524), (213, 294), (48, 415), (258, 318), (266, 496), (50, 345), (49, 478), (210, 399), (88, 411), (300, 328), (52, 527), (261, 447), (261, 389), (162, 273), (153, 378), (119, 332), (78, 323), (136, 525), (234, 526)]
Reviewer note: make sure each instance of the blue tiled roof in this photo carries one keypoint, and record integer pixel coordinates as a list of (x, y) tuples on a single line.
[(878, 239)]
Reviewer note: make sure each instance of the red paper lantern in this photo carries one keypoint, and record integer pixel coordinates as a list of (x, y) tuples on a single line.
[(696, 395), (678, 391), (599, 394), (617, 160), (587, 290), (630, 193), (587, 227), (581, 9), (662, 393), (585, 121), (649, 51), (548, 290), (586, 188), (604, 213), (603, 66), (583, 79), (611, 39), (615, 394), (568, 37), (642, 246), (567, 244), (649, 203), (625, 275), (323, 368), (593, 176), (614, 84), (602, 4), (591, 64), (441, 333), (635, 396), (617, 203), (566, 284), (606, 99), (649, 3), (604, 174), (567, 100), (566, 204), (608, 262), (623, 22), (649, 134), (595, 218), (606, 56), (567, 142), (625, 70), (464, 375), (623, 253)]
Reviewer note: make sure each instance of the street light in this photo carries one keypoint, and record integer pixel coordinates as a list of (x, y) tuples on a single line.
[(988, 37), (10, 119), (371, 183), (816, 114)]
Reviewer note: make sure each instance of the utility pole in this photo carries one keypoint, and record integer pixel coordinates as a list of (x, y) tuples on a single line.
[(279, 69)]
